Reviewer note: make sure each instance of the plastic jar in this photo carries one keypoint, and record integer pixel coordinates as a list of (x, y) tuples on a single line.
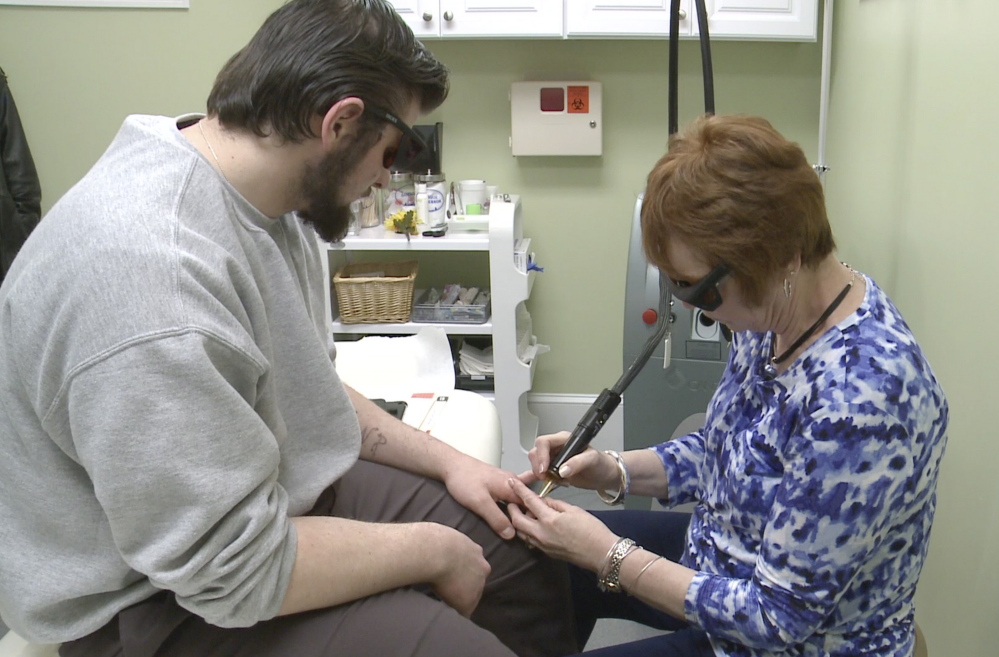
[(422, 204), (400, 194), (436, 197)]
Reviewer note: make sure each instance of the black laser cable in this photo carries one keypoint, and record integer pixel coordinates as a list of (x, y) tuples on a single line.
[(601, 409)]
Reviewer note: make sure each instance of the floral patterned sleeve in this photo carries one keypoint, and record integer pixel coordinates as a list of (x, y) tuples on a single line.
[(682, 458)]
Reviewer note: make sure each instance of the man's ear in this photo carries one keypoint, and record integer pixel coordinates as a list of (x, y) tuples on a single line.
[(341, 119)]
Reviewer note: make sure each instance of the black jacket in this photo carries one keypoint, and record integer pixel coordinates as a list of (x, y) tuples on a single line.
[(20, 191)]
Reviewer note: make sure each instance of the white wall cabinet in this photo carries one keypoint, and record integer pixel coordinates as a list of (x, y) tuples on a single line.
[(624, 18), (769, 20), (766, 20), (510, 286), (482, 18)]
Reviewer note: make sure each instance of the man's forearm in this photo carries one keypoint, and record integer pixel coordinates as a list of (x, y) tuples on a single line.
[(386, 440), (340, 560)]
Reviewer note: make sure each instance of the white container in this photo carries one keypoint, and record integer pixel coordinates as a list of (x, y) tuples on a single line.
[(471, 196), (436, 198), (422, 205)]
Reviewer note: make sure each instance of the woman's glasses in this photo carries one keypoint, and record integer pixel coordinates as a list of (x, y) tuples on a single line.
[(411, 144), (703, 294)]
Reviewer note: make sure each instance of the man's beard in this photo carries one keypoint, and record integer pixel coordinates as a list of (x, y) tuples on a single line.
[(322, 188)]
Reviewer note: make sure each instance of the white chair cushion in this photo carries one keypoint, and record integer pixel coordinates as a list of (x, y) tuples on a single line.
[(11, 645)]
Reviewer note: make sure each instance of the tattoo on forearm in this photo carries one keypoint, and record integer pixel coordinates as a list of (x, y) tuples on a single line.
[(372, 439)]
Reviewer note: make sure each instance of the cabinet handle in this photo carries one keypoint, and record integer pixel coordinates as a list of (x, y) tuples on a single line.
[(427, 17), (683, 14), (448, 16)]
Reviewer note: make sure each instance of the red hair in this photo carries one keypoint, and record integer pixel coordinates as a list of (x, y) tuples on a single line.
[(735, 191)]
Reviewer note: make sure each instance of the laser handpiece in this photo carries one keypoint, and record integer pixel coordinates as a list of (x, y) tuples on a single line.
[(600, 410)]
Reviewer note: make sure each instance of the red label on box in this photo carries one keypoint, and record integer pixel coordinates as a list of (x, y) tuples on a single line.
[(579, 99)]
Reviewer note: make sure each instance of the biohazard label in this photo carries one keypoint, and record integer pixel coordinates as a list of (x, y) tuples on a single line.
[(579, 99)]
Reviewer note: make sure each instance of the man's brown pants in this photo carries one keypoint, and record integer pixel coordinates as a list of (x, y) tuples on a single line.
[(525, 609)]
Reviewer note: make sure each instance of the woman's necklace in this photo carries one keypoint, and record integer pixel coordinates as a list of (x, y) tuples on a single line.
[(770, 369)]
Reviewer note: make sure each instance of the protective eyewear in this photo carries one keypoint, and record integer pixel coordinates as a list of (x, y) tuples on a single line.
[(411, 144), (703, 294)]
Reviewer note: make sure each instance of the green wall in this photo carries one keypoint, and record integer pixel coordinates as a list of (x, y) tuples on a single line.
[(914, 155), (76, 73)]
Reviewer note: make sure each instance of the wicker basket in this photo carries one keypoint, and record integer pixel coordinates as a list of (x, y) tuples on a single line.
[(375, 299)]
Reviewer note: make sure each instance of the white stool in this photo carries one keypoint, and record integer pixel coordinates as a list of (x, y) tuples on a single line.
[(921, 649), (11, 645)]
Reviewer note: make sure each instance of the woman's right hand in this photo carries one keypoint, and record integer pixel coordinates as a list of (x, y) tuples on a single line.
[(461, 570), (589, 469)]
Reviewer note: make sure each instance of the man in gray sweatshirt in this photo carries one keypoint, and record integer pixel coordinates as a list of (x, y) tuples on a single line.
[(181, 470)]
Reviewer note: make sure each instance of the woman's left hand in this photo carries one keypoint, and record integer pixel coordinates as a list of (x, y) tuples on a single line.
[(560, 529)]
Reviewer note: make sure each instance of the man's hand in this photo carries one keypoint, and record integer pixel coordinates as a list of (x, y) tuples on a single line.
[(463, 572), (479, 487)]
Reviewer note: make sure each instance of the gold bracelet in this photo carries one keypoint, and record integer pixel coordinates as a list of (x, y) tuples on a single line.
[(634, 585), (624, 485), (605, 564)]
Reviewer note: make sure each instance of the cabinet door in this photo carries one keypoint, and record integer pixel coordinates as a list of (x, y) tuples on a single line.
[(422, 16), (772, 20), (624, 18), (501, 18)]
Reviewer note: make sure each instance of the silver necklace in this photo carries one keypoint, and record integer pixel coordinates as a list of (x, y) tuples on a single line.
[(218, 164), (770, 369)]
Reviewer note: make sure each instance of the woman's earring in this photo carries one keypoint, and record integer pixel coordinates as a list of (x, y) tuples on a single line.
[(787, 285)]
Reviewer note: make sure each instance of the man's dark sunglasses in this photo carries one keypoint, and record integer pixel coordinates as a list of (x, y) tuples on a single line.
[(703, 294), (410, 146)]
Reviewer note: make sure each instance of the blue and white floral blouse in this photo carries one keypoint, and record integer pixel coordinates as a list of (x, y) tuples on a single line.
[(814, 492)]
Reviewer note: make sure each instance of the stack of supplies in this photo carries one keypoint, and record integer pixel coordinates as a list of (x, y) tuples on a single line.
[(475, 362), (452, 305)]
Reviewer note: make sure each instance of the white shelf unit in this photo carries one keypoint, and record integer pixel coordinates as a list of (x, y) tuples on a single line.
[(509, 287)]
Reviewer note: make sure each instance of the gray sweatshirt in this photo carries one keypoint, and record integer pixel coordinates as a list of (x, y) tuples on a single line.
[(167, 396)]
